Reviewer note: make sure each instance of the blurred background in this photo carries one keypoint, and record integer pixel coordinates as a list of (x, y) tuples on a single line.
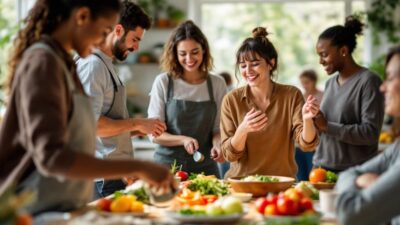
[(294, 26)]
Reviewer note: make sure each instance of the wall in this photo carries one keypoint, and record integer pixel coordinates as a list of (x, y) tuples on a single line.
[(139, 77)]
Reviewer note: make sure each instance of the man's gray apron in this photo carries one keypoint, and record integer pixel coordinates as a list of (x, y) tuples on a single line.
[(60, 194), (193, 119), (121, 144)]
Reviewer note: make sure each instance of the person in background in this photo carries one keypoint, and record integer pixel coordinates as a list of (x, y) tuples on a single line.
[(369, 194), (308, 79), (352, 109), (261, 121), (188, 98), (228, 80), (108, 94), (47, 136)]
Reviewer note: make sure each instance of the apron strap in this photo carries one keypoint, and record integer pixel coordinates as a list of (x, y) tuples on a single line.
[(170, 92), (111, 75), (67, 73), (210, 88)]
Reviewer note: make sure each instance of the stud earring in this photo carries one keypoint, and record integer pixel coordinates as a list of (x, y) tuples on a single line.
[(344, 55)]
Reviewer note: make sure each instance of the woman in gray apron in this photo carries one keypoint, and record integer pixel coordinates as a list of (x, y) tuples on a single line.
[(188, 98), (47, 135)]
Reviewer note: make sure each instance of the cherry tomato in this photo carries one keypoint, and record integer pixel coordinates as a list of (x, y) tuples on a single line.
[(287, 206), (183, 175), (271, 210), (260, 204), (306, 204), (104, 204)]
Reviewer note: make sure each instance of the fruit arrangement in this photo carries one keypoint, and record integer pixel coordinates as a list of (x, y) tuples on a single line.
[(308, 190), (191, 198), (289, 203), (319, 175), (120, 204), (224, 206), (385, 137)]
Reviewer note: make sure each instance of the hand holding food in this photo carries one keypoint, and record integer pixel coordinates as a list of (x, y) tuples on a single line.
[(190, 144)]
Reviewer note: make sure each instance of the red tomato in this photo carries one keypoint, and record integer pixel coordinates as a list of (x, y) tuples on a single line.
[(183, 175), (210, 198), (260, 204), (293, 194), (104, 204), (272, 199), (287, 206), (306, 204), (271, 210)]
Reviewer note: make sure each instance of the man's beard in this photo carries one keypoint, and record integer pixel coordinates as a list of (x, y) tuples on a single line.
[(119, 49)]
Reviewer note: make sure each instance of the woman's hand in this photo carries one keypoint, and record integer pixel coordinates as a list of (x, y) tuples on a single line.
[(255, 120), (155, 127), (190, 144), (216, 154), (367, 179), (320, 122), (310, 108)]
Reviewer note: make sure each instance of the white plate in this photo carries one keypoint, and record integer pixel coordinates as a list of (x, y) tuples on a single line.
[(204, 218), (134, 214)]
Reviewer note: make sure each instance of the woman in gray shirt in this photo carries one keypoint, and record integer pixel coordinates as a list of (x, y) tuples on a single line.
[(352, 107), (369, 194)]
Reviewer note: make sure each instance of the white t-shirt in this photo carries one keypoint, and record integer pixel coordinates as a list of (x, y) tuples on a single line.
[(184, 91)]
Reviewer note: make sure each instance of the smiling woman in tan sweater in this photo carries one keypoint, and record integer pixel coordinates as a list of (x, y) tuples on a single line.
[(261, 121)]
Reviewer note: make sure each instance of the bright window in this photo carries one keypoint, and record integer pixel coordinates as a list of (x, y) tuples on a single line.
[(294, 27)]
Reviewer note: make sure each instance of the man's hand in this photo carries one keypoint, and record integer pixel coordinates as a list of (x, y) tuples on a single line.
[(151, 126)]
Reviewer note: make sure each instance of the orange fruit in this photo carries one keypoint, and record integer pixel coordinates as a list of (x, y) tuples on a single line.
[(137, 206), (24, 219), (317, 175), (121, 204)]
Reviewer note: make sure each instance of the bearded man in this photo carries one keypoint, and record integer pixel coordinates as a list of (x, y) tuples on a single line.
[(102, 84)]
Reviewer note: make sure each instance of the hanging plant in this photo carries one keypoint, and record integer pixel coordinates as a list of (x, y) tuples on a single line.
[(382, 16)]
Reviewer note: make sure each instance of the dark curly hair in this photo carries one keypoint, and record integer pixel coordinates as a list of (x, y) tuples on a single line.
[(133, 16), (344, 35), (169, 59), (44, 18), (260, 45)]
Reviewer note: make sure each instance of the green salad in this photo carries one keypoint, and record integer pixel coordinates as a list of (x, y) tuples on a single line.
[(260, 178), (208, 185)]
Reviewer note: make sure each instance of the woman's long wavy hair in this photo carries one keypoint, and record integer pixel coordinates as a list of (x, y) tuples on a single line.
[(169, 59), (45, 17)]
